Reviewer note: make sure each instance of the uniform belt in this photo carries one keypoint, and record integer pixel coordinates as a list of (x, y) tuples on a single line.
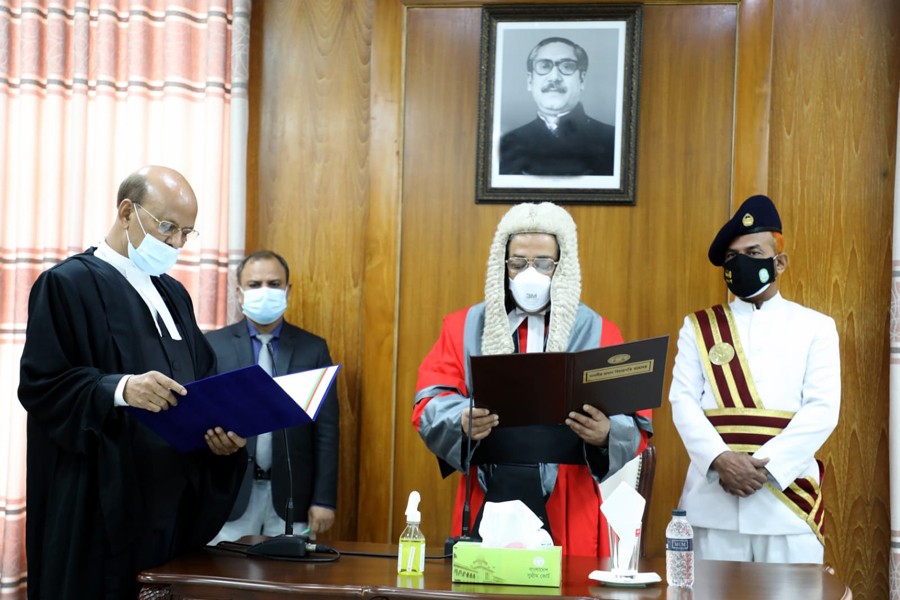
[(261, 475)]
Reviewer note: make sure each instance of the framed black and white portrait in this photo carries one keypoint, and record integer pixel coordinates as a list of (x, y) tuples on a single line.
[(558, 104)]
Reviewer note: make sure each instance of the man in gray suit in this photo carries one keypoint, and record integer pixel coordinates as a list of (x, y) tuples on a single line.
[(264, 337)]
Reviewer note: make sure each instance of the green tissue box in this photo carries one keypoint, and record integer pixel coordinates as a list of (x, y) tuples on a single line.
[(507, 566)]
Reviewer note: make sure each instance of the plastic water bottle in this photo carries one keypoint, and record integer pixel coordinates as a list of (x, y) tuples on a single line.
[(679, 551), (411, 554)]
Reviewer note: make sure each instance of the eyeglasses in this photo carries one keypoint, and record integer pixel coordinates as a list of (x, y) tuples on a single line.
[(566, 66), (168, 228), (541, 265)]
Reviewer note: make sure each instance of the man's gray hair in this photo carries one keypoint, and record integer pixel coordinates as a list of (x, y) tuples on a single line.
[(134, 188)]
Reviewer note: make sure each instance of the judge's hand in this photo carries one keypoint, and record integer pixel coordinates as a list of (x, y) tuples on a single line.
[(740, 474), (320, 518), (152, 391), (482, 423), (592, 428), (223, 443)]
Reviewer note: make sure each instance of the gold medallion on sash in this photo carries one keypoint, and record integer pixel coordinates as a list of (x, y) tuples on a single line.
[(741, 418), (721, 353)]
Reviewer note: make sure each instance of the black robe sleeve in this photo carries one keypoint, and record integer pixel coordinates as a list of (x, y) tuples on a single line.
[(68, 372)]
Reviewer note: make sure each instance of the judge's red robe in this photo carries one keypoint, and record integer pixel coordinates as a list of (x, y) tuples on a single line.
[(573, 507)]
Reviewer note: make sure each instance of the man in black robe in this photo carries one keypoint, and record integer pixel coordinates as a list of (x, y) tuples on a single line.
[(107, 329), (562, 140)]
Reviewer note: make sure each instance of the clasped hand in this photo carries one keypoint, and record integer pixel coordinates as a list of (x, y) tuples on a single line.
[(740, 474), (154, 391), (592, 428)]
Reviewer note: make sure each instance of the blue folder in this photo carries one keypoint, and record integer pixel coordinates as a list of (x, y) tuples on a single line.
[(247, 401)]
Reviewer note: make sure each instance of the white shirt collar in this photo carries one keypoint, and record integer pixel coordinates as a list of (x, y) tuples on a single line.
[(535, 327), (141, 282), (552, 122), (106, 253), (744, 306)]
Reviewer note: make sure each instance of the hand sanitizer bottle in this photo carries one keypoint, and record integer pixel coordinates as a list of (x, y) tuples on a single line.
[(411, 555)]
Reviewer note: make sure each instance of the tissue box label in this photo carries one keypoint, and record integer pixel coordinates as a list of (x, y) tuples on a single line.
[(473, 563)]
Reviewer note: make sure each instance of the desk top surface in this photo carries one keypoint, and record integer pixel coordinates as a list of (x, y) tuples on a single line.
[(366, 576)]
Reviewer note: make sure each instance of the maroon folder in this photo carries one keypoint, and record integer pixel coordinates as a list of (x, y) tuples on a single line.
[(542, 388)]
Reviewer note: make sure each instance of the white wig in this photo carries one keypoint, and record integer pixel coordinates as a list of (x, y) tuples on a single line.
[(565, 291)]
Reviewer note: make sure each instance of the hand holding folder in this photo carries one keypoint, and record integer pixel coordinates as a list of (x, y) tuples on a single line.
[(246, 401), (542, 388)]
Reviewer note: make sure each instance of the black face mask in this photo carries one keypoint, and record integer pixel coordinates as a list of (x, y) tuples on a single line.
[(746, 277)]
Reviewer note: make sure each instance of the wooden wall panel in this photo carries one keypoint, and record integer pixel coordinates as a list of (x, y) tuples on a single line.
[(445, 235), (308, 182), (832, 157), (378, 391), (753, 100)]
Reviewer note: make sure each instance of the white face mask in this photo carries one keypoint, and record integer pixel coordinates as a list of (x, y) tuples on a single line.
[(531, 290), (153, 257), (264, 305)]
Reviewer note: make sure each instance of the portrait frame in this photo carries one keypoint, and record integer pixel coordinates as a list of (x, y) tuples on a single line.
[(577, 165)]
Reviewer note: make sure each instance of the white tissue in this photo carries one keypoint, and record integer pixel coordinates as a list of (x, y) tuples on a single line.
[(512, 525), (623, 511)]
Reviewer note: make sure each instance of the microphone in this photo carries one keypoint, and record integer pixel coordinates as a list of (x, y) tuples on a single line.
[(289, 503), (465, 537), (287, 545)]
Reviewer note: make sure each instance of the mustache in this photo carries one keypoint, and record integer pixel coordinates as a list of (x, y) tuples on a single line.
[(555, 86)]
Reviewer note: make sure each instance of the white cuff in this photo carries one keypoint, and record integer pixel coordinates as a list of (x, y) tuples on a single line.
[(120, 392)]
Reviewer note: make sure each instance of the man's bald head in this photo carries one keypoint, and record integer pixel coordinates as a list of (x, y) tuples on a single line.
[(151, 178), (164, 193)]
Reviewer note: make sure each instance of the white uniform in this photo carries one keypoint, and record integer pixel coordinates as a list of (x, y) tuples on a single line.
[(793, 356)]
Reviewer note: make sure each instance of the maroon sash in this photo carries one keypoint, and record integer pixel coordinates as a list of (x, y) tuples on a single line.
[(741, 418)]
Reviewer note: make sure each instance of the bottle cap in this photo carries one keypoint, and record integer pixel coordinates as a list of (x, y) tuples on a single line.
[(412, 508), (679, 513)]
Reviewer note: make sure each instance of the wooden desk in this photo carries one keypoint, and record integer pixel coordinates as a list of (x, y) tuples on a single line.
[(217, 575)]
